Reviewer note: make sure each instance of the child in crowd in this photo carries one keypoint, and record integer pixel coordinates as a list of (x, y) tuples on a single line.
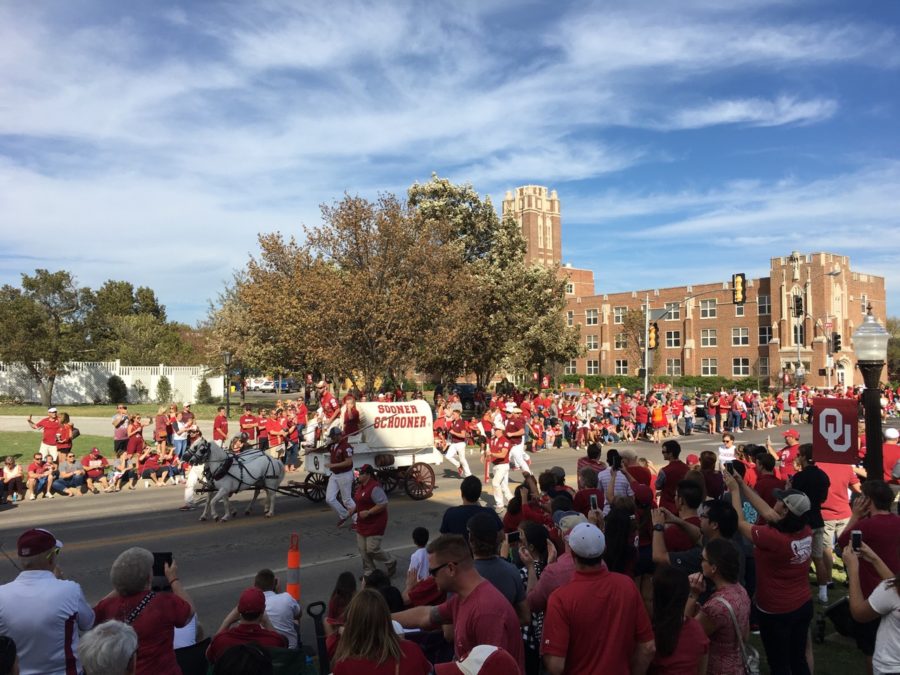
[(418, 562)]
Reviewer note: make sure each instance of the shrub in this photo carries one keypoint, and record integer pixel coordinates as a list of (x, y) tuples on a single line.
[(116, 390), (163, 390), (204, 392)]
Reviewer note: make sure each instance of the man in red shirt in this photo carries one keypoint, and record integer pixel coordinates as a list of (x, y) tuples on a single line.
[(371, 521), (670, 475), (49, 427), (252, 626), (787, 454), (456, 431), (275, 433), (596, 597), (40, 477), (515, 433), (890, 454), (479, 613), (330, 407), (836, 509), (95, 470), (247, 423), (498, 450), (220, 426), (766, 480), (340, 464)]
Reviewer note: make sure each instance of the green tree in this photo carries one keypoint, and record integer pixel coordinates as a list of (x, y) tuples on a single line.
[(42, 324), (204, 392), (117, 390), (163, 390), (893, 354)]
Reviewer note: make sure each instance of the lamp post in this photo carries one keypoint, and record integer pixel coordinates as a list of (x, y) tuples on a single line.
[(226, 357), (870, 343)]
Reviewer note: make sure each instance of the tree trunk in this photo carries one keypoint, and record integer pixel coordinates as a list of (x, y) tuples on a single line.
[(46, 386)]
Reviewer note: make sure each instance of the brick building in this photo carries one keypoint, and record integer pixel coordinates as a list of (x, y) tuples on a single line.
[(703, 333)]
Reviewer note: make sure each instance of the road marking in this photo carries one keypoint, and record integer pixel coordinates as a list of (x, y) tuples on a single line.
[(280, 570)]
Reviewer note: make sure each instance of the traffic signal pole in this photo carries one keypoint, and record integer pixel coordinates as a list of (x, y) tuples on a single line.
[(646, 344)]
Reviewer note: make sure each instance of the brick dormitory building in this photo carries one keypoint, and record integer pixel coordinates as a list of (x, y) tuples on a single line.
[(704, 333)]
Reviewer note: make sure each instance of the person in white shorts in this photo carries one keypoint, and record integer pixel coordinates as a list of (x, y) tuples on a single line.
[(515, 433)]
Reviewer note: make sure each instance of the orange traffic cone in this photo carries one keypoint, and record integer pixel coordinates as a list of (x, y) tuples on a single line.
[(293, 568)]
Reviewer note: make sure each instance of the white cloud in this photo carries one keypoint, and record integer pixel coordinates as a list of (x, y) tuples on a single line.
[(753, 112)]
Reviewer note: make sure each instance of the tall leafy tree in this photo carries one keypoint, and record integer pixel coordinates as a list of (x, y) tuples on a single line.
[(43, 326)]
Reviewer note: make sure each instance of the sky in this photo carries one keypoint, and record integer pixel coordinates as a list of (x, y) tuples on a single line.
[(687, 140)]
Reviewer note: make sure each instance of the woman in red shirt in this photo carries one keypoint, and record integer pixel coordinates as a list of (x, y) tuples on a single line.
[(64, 436), (369, 644), (783, 552), (135, 435), (682, 647)]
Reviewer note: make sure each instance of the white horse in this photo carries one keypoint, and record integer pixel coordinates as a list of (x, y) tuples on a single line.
[(251, 469)]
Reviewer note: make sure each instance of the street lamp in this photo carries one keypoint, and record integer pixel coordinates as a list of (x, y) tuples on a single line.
[(870, 343), (226, 357)]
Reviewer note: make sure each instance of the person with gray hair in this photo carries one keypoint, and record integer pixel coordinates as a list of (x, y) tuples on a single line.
[(154, 616), (109, 649)]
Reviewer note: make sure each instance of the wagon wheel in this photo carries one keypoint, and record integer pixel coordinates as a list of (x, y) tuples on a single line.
[(389, 480), (314, 486), (420, 481)]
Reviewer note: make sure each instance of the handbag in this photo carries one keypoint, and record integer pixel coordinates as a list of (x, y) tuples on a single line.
[(140, 608), (749, 655)]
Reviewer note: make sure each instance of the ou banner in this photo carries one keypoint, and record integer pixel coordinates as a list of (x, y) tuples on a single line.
[(835, 430)]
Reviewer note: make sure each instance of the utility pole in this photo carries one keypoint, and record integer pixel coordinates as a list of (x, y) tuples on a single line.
[(646, 344)]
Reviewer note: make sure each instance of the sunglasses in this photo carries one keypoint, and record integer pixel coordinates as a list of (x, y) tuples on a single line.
[(433, 571)]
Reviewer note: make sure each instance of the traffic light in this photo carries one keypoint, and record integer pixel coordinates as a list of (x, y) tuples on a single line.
[(835, 343), (798, 305), (738, 286), (653, 336)]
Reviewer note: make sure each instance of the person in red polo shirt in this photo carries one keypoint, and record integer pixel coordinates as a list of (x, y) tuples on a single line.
[(252, 626), (498, 450), (596, 597), (330, 407), (220, 426)]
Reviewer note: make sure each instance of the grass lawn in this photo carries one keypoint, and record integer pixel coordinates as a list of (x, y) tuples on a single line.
[(22, 444), (201, 410)]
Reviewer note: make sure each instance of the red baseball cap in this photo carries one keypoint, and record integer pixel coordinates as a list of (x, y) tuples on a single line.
[(693, 459), (252, 601), (791, 433), (36, 541), (482, 660)]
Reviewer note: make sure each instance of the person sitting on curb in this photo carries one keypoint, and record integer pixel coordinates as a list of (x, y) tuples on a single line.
[(245, 623)]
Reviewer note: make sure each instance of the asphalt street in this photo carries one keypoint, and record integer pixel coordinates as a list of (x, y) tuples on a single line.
[(218, 560)]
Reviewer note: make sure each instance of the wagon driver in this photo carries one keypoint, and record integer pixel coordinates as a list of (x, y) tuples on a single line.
[(341, 466)]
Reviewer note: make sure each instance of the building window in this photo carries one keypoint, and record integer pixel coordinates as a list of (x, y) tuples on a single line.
[(740, 337), (591, 343), (740, 367), (621, 341), (571, 367), (593, 367), (570, 318), (673, 338), (864, 304), (540, 231), (708, 337), (739, 310), (591, 317), (763, 305), (708, 309), (763, 366), (673, 367), (673, 310), (765, 335), (799, 334), (709, 367), (619, 314), (621, 366), (570, 288)]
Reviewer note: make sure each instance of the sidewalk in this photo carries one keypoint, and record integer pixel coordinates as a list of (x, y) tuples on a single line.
[(95, 426)]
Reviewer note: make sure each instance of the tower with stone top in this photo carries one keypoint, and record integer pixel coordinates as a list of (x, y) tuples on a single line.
[(537, 211)]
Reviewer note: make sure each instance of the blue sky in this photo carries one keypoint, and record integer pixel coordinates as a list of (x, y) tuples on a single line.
[(687, 140)]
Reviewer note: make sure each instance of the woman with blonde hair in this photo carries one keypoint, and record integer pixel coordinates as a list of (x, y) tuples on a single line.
[(160, 429), (370, 644)]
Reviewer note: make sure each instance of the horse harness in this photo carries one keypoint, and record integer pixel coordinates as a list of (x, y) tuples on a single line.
[(243, 472)]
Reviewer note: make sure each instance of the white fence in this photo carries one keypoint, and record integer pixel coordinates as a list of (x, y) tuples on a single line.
[(86, 382)]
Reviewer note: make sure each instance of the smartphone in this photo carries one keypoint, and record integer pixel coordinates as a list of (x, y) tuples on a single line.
[(594, 506), (856, 540), (159, 563), (513, 537)]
